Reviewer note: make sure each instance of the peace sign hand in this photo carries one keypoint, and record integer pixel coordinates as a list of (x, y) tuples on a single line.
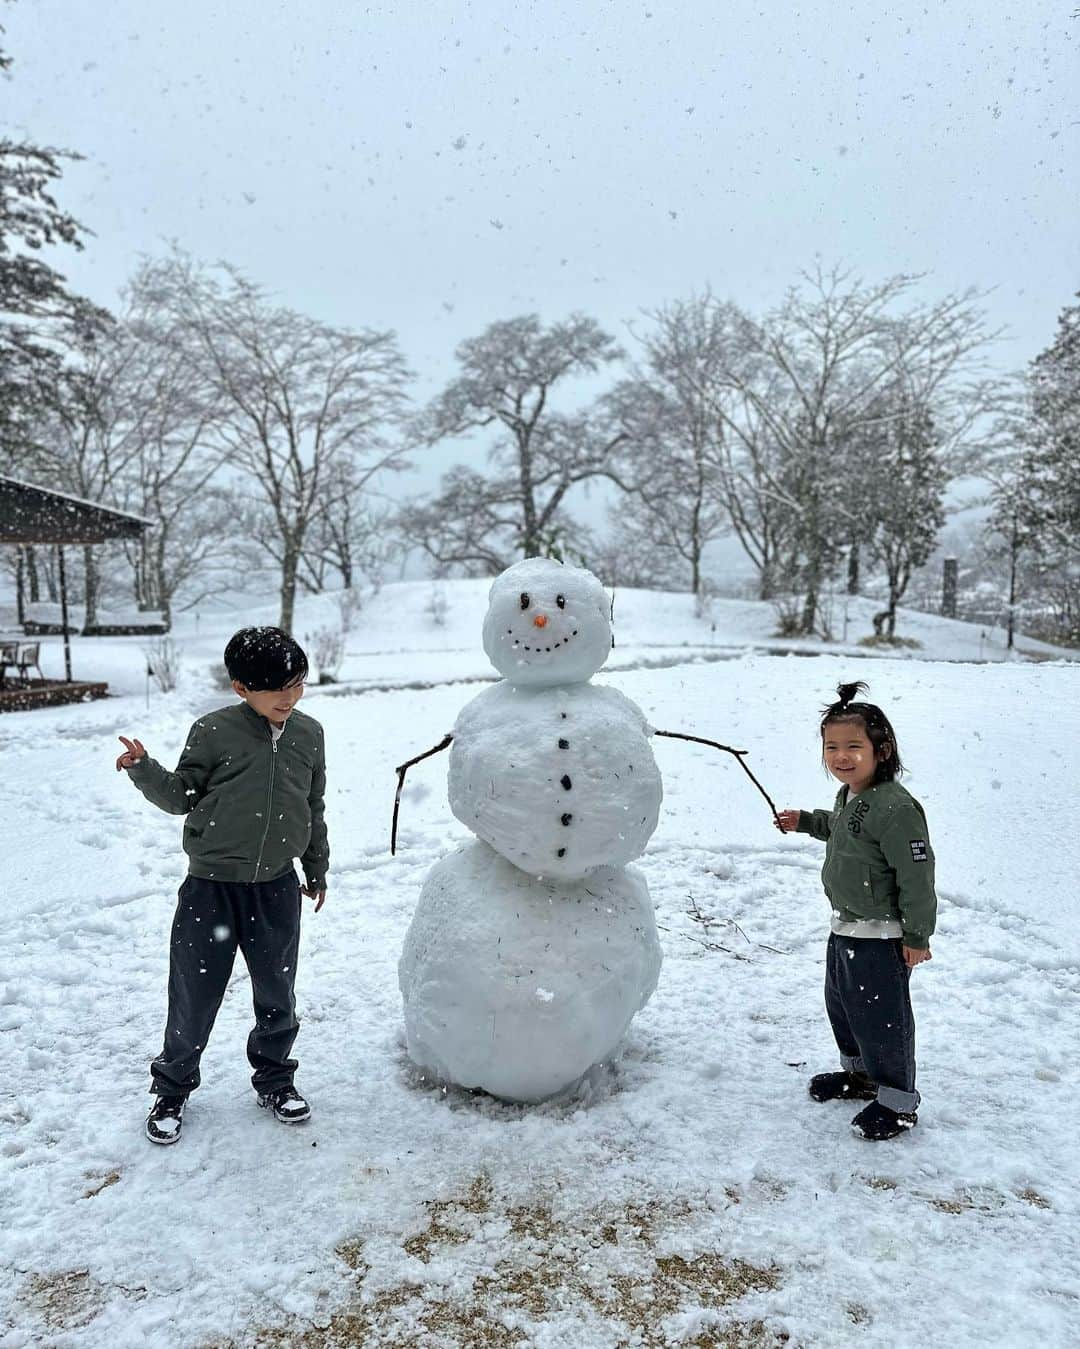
[(133, 752)]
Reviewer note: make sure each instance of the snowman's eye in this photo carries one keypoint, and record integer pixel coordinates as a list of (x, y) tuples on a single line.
[(560, 600), (524, 600)]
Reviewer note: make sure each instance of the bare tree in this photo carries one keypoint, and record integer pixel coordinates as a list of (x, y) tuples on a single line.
[(298, 397), (508, 375), (171, 477), (691, 404), (470, 525), (634, 553), (673, 457), (905, 504), (94, 428), (808, 384), (353, 532)]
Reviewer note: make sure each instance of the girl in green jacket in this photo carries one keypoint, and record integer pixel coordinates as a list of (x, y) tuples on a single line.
[(879, 878)]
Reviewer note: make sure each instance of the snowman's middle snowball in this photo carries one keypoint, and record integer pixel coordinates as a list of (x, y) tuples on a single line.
[(519, 985), (557, 780)]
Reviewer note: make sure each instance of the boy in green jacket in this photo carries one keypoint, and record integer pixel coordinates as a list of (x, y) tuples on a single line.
[(879, 878), (251, 781)]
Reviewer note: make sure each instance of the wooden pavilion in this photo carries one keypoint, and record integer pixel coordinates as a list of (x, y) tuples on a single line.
[(38, 515)]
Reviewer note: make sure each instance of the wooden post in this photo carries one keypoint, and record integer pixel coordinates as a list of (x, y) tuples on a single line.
[(64, 612), (1014, 551), (949, 587), (20, 586)]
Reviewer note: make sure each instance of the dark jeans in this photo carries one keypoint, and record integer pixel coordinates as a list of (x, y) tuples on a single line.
[(869, 1005), (212, 919)]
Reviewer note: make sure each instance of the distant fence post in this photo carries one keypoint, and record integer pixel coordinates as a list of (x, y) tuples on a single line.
[(948, 588)]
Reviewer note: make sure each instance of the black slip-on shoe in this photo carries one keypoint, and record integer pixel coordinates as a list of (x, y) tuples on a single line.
[(842, 1087), (877, 1122)]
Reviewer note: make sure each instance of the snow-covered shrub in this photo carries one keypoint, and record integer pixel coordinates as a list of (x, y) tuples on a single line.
[(703, 600), (163, 662), (436, 607), (220, 677), (349, 603), (788, 615), (326, 647)]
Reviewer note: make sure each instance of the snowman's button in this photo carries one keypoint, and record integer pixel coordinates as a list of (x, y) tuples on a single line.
[(566, 818), (565, 780), (564, 744), (563, 715), (561, 852)]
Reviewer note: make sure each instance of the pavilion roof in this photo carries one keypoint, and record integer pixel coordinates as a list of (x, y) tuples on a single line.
[(32, 514)]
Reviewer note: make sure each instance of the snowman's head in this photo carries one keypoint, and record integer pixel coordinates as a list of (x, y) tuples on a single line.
[(547, 623)]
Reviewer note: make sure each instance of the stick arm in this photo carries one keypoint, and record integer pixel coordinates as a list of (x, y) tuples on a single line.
[(739, 756), (401, 770)]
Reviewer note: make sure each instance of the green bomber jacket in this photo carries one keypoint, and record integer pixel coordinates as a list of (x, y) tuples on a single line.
[(253, 804), (878, 859)]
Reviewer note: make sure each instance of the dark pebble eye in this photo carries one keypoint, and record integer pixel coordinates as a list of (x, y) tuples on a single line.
[(560, 600), (524, 600)]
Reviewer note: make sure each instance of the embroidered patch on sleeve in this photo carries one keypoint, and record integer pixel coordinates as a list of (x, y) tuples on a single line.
[(918, 850)]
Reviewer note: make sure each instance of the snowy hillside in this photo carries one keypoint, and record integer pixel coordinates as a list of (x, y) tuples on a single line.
[(689, 1193), (395, 639)]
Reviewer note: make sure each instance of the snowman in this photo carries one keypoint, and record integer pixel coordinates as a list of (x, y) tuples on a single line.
[(533, 947)]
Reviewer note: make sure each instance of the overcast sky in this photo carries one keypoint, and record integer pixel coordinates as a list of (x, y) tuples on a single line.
[(432, 167)]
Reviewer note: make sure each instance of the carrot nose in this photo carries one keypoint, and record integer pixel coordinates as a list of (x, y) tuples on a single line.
[(540, 620)]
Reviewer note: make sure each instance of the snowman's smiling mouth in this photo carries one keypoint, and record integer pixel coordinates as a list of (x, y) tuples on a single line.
[(517, 642)]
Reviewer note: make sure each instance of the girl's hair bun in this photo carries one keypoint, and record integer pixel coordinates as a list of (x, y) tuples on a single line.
[(848, 693)]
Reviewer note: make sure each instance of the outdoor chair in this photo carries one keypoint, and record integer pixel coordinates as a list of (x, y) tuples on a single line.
[(28, 660), (9, 656)]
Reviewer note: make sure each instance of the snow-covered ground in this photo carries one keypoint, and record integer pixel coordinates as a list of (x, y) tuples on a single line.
[(690, 1193)]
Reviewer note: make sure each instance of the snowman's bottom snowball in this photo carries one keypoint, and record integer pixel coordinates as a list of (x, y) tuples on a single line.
[(519, 985)]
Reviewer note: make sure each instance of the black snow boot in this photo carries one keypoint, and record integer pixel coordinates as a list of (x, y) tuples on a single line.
[(877, 1122), (166, 1119), (287, 1104), (842, 1087)]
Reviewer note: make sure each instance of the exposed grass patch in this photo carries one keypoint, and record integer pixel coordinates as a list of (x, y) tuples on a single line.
[(880, 1183), (68, 1300), (441, 1229), (103, 1183), (909, 643), (977, 1199), (1033, 1197), (534, 1266), (641, 1300)]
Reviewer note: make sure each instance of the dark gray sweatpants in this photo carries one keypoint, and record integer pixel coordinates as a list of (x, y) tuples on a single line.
[(212, 919), (869, 1005)]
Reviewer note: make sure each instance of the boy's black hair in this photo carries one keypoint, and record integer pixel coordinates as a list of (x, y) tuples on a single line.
[(265, 659), (879, 729)]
